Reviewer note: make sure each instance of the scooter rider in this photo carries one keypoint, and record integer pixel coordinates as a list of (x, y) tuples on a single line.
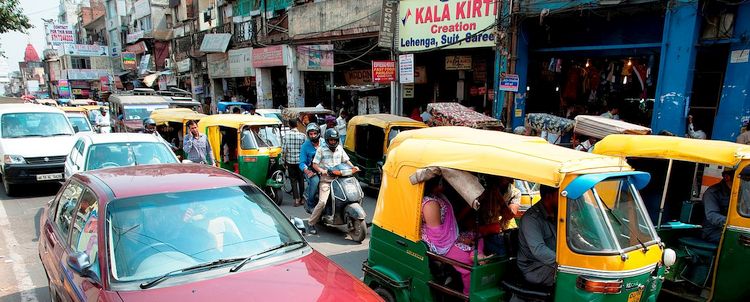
[(331, 155), (306, 155)]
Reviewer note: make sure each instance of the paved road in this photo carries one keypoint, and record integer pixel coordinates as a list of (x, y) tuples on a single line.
[(22, 277)]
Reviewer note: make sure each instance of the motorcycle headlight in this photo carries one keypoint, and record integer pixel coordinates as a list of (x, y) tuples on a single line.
[(14, 159)]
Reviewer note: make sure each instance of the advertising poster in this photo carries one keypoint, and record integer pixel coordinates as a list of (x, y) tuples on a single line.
[(383, 71)]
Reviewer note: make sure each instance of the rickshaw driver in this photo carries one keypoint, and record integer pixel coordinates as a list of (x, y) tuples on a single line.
[(716, 205), (537, 240)]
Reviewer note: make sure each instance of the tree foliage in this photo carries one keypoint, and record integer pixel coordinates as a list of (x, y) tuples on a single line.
[(12, 17)]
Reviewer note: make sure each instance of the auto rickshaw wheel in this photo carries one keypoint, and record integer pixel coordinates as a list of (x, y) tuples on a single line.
[(357, 229), (385, 294)]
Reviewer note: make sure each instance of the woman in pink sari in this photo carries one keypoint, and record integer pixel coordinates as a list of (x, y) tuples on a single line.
[(440, 230)]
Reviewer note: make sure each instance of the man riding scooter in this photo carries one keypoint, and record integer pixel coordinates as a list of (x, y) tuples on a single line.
[(306, 155), (324, 162)]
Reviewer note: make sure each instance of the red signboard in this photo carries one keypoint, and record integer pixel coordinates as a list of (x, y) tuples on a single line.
[(383, 71), (269, 56)]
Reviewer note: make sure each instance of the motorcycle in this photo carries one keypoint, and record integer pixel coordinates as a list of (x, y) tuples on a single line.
[(344, 206)]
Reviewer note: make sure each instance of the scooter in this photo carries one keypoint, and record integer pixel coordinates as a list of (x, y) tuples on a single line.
[(344, 206)]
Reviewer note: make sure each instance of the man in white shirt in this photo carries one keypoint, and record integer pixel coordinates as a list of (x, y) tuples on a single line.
[(341, 125), (103, 122)]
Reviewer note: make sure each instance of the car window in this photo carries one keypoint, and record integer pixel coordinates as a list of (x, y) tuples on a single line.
[(80, 122), (28, 124), (76, 152), (112, 155), (67, 206), (84, 230)]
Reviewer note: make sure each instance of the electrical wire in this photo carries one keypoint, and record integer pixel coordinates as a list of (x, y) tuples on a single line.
[(357, 58)]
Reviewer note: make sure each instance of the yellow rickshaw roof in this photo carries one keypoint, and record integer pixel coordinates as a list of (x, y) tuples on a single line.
[(494, 152), (74, 109), (178, 116), (236, 120), (671, 147), (385, 121), (91, 107)]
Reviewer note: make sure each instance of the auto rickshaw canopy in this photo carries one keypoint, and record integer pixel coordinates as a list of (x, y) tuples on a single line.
[(676, 148), (175, 115), (75, 109), (384, 121), (236, 120), (520, 157)]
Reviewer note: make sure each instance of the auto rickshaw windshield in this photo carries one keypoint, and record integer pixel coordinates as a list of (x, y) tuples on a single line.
[(743, 203), (608, 219), (260, 137)]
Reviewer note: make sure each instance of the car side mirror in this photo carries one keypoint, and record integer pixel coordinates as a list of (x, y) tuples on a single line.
[(81, 264)]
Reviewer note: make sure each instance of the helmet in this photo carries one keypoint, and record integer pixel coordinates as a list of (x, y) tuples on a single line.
[(332, 134), (148, 121), (313, 127)]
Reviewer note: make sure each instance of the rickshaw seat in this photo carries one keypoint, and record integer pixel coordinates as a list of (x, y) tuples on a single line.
[(700, 245), (518, 285)]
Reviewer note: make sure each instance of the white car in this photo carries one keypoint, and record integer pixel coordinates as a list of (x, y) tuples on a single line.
[(80, 122), (101, 151), (34, 141)]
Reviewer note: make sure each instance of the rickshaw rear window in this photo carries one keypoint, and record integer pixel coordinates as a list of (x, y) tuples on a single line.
[(743, 206)]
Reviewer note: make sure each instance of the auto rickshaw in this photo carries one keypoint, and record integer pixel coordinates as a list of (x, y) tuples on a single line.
[(367, 140), (172, 124), (248, 145), (598, 203), (683, 169), (305, 115)]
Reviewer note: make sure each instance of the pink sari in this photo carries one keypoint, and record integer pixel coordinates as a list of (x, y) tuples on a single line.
[(440, 239)]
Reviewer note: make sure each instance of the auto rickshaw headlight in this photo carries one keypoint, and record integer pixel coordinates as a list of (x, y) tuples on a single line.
[(279, 177), (594, 285), (669, 257)]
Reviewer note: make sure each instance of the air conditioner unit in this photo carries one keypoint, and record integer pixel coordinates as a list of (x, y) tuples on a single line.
[(167, 63)]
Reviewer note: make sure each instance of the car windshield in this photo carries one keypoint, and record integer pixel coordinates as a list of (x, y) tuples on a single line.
[(141, 112), (34, 124), (80, 122), (608, 218), (155, 234), (260, 137), (113, 155)]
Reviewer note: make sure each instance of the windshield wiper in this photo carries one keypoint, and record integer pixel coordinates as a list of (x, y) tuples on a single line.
[(212, 264), (619, 221), (257, 255), (57, 134)]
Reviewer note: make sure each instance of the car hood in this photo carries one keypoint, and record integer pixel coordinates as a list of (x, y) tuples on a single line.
[(310, 278), (38, 146)]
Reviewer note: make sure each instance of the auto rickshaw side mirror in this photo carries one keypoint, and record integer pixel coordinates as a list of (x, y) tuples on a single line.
[(669, 257)]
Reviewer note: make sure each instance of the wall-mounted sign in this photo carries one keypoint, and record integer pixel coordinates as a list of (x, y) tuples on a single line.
[(270, 56), (241, 62), (315, 57), (85, 74), (358, 77), (129, 61), (183, 65), (137, 48), (145, 61), (215, 42), (60, 34), (63, 89), (218, 65), (388, 20), (458, 63), (383, 71), (134, 36), (83, 50), (427, 24), (406, 68), (508, 82), (408, 91)]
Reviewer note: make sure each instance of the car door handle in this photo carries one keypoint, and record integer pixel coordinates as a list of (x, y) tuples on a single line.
[(745, 240), (50, 237)]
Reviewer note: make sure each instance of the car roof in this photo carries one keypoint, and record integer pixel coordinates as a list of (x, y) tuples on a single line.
[(17, 108), (143, 180), (121, 138)]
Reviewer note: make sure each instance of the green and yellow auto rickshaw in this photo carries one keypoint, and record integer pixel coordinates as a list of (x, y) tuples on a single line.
[(606, 250), (367, 140), (248, 145), (172, 124), (683, 169)]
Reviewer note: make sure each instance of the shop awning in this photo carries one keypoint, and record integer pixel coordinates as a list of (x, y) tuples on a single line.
[(215, 42)]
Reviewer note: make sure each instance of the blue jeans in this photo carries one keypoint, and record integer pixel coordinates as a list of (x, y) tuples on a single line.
[(311, 190), (343, 139), (495, 245)]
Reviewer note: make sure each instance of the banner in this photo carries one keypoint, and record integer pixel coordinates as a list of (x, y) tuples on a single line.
[(315, 57), (63, 89), (129, 61), (218, 65), (60, 34), (383, 71), (389, 13), (270, 56), (241, 62), (84, 50), (427, 24)]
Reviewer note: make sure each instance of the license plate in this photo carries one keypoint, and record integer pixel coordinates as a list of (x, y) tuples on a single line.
[(52, 176), (635, 296)]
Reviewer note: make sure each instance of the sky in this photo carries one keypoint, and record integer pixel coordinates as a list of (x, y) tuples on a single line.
[(14, 43)]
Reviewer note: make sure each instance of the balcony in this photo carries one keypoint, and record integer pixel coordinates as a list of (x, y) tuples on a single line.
[(243, 33)]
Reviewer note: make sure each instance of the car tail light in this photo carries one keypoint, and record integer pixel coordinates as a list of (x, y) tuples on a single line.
[(599, 286)]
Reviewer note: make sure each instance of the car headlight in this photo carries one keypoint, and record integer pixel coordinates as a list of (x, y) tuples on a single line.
[(14, 159)]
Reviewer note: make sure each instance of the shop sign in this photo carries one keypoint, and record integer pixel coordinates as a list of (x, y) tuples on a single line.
[(198, 89), (61, 34), (104, 80), (84, 50), (428, 24), (129, 61), (740, 56), (315, 57), (388, 21), (509, 82), (85, 74), (383, 71), (408, 91), (145, 61), (241, 63), (137, 48), (215, 42), (358, 77), (420, 75), (458, 63), (134, 37), (406, 68), (270, 56), (63, 89), (79, 84), (218, 65), (183, 66)]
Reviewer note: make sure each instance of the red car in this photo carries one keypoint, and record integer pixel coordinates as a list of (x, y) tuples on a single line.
[(180, 232)]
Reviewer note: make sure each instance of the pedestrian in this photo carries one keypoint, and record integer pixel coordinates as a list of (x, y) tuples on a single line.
[(103, 122), (329, 124), (306, 155), (291, 145), (415, 114), (744, 138), (612, 113), (341, 125), (426, 115), (197, 147), (251, 110), (326, 158)]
